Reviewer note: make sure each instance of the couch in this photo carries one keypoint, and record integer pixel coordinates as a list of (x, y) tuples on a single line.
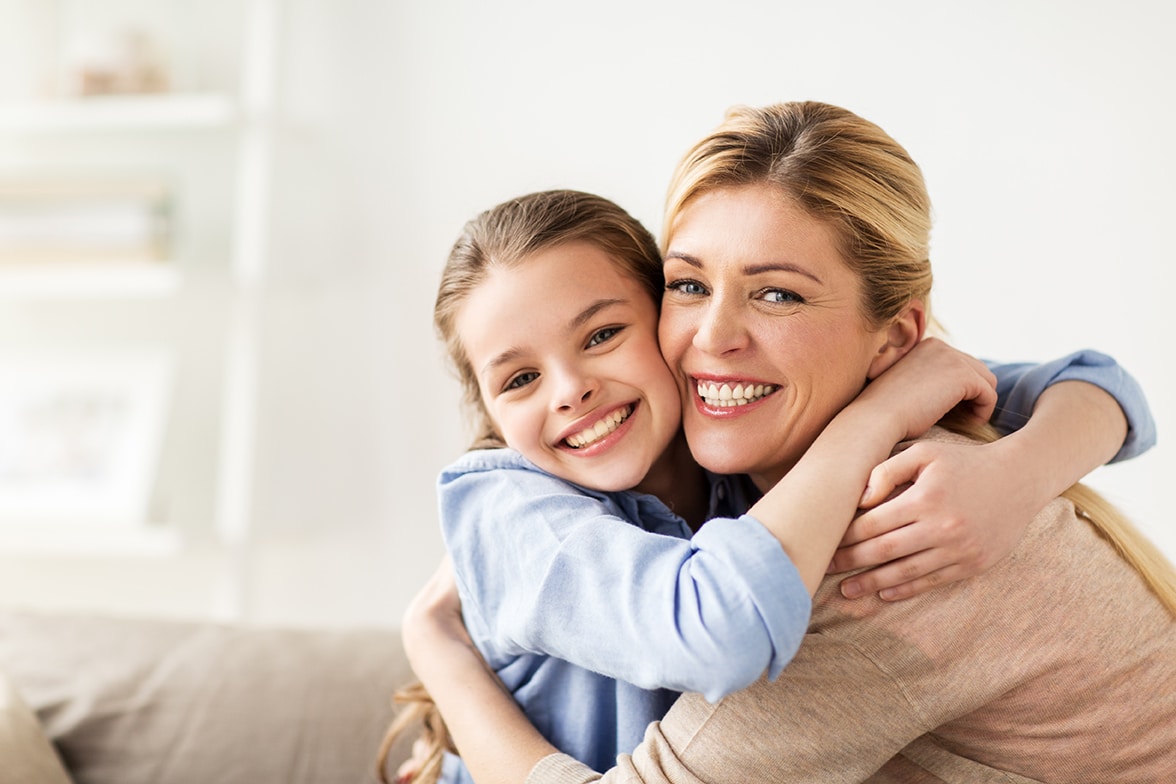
[(87, 699)]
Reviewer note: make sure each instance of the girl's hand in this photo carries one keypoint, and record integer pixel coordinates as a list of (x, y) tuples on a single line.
[(925, 384), (960, 509)]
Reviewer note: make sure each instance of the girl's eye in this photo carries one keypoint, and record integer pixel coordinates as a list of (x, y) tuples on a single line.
[(689, 287), (521, 380), (781, 296), (603, 335)]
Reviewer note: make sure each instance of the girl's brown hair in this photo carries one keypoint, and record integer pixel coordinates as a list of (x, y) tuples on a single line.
[(509, 233), (505, 236)]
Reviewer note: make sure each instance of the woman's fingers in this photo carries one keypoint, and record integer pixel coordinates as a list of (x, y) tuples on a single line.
[(904, 577)]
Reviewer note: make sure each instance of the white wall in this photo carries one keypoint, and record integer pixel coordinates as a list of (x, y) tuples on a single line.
[(1043, 128)]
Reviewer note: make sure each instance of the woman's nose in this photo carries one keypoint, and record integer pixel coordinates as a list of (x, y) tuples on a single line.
[(720, 328)]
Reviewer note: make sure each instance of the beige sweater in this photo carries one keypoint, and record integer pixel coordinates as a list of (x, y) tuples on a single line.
[(1057, 665)]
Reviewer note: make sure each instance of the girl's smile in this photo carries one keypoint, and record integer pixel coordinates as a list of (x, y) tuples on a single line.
[(598, 434)]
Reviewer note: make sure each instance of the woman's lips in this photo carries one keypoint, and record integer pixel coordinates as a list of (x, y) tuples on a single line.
[(726, 394)]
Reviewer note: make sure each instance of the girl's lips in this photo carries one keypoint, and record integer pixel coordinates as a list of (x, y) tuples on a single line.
[(600, 433)]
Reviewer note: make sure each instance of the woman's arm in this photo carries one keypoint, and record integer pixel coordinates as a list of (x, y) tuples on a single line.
[(969, 504)]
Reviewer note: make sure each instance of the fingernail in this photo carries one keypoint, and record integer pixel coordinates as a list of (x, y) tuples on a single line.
[(851, 589), (865, 495), (886, 594)]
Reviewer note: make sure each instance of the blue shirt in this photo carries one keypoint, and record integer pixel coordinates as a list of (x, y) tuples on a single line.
[(596, 608), (551, 573)]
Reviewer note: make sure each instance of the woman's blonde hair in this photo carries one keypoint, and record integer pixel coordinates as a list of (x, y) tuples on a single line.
[(848, 172), (505, 236), (509, 233)]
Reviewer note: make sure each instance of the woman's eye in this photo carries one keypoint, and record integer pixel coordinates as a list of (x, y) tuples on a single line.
[(689, 287), (603, 335), (521, 380), (782, 296)]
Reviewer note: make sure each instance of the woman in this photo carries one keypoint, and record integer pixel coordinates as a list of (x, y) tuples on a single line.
[(797, 238)]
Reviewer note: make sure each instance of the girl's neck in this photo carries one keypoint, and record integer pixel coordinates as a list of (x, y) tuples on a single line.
[(679, 482)]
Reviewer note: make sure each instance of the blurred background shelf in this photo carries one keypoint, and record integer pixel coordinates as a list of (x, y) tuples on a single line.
[(120, 113), (86, 280), (77, 540)]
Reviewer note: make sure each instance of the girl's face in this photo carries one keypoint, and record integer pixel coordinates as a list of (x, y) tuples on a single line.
[(564, 347), (762, 326)]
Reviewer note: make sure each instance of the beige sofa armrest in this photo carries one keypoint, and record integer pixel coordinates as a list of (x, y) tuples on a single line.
[(28, 756), (130, 701)]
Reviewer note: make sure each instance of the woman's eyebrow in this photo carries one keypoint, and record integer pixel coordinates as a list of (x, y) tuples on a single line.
[(751, 269), (779, 266), (686, 257)]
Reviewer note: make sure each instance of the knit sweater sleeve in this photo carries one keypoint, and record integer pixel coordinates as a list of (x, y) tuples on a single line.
[(816, 719), (545, 569)]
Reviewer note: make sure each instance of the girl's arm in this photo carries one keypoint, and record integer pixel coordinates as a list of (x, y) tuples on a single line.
[(969, 505), (547, 569)]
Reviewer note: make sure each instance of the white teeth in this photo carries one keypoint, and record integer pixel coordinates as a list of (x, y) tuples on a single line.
[(723, 396), (600, 429)]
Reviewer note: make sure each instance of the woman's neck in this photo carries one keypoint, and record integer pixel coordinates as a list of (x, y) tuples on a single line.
[(679, 482)]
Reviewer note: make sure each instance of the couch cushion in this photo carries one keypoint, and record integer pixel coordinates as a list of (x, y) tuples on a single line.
[(28, 755), (129, 701)]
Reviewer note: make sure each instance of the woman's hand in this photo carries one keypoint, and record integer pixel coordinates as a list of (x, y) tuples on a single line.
[(967, 506), (960, 509), (497, 742), (433, 618)]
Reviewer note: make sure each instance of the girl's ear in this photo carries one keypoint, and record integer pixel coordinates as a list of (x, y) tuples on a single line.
[(903, 334)]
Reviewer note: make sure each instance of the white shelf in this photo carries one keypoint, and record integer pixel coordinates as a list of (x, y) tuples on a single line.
[(140, 280), (80, 541), (135, 112)]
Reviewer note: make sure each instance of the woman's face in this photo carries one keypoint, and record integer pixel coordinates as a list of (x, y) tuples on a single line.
[(762, 325), (564, 346)]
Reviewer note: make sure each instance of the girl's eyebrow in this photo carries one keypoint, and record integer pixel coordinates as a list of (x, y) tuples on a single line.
[(590, 311), (581, 318), (751, 269)]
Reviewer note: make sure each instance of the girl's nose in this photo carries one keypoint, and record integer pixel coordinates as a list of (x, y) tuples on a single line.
[(574, 390)]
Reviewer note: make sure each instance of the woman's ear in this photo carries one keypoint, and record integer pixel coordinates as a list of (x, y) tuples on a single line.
[(903, 334)]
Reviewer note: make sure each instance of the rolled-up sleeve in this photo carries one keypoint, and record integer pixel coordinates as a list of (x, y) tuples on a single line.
[(1020, 384), (543, 569)]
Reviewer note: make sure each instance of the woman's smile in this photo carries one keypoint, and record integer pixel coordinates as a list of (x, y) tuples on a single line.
[(723, 397)]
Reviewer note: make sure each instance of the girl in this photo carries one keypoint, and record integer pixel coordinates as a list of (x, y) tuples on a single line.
[(549, 308)]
